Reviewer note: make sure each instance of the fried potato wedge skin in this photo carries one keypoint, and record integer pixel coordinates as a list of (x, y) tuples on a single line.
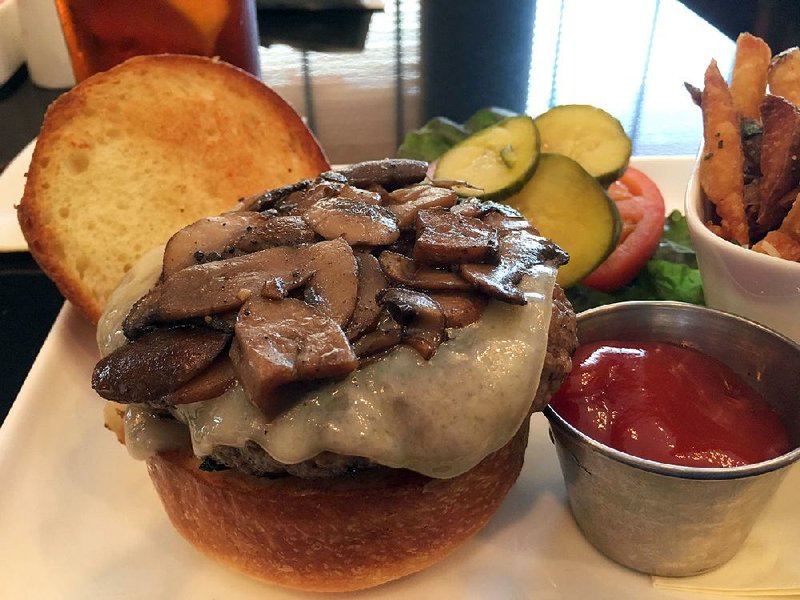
[(749, 80), (785, 241), (780, 160), (784, 75), (721, 170)]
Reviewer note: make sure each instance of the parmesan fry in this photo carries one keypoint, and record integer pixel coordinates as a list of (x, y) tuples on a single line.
[(785, 241), (714, 228), (723, 161), (784, 75), (749, 80), (779, 161)]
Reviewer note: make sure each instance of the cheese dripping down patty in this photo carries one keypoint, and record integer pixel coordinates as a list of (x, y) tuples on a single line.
[(439, 417)]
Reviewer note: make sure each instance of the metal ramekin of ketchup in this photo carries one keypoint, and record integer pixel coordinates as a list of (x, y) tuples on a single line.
[(689, 421)]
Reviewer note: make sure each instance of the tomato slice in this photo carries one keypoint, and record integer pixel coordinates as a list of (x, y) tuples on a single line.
[(641, 207)]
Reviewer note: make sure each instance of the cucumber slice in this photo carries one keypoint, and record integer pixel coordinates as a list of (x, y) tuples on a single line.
[(588, 135), (568, 205), (497, 160)]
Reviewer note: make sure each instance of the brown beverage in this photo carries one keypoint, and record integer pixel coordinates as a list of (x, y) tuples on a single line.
[(104, 33)]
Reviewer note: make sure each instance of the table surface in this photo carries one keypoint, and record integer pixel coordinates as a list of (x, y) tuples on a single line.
[(364, 78)]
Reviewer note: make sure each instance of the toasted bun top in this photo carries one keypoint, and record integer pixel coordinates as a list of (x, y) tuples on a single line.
[(131, 155)]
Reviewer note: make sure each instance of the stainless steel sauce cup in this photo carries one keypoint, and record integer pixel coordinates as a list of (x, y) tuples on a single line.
[(666, 519)]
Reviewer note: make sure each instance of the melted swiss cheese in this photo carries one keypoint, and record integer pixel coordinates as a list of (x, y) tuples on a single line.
[(438, 417)]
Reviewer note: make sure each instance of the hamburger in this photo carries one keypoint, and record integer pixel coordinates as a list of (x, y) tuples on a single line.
[(331, 384), (331, 381)]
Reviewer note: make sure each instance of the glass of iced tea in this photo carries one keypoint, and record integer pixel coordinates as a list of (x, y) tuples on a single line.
[(104, 33)]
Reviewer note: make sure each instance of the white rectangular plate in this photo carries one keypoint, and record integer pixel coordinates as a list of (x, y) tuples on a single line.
[(80, 520)]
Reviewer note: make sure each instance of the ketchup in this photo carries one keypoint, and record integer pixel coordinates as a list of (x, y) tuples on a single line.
[(669, 404)]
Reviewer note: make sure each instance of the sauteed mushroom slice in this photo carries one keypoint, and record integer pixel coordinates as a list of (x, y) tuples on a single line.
[(357, 222), (421, 318), (333, 288), (157, 364), (299, 202), (444, 238), (212, 382), (519, 251), (333, 176), (460, 309), (328, 270), (389, 173), (371, 280), (503, 223), (280, 342), (276, 231), (385, 336), (212, 238), (358, 195), (407, 202), (408, 272), (217, 287), (270, 198)]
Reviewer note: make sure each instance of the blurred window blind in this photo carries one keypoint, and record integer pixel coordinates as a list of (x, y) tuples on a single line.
[(630, 58)]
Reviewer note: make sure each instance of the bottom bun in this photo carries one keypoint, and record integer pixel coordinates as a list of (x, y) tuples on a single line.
[(341, 534)]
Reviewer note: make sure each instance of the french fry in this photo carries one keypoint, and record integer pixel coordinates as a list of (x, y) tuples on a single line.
[(784, 75), (749, 80), (784, 241), (780, 160), (723, 161)]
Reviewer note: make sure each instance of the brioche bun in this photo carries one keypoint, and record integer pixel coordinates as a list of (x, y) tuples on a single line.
[(133, 154), (341, 534)]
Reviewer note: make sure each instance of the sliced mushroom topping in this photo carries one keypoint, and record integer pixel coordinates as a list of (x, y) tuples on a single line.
[(220, 322), (519, 252), (212, 238), (504, 223), (157, 364), (278, 288), (212, 382), (299, 202), (333, 176), (385, 336), (460, 309), (371, 280), (421, 318), (328, 268), (366, 196), (406, 203), (380, 190), (390, 173), (404, 244), (333, 288), (472, 207), (269, 199), (456, 183), (408, 272), (276, 231), (282, 342), (444, 238), (217, 287), (358, 223)]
